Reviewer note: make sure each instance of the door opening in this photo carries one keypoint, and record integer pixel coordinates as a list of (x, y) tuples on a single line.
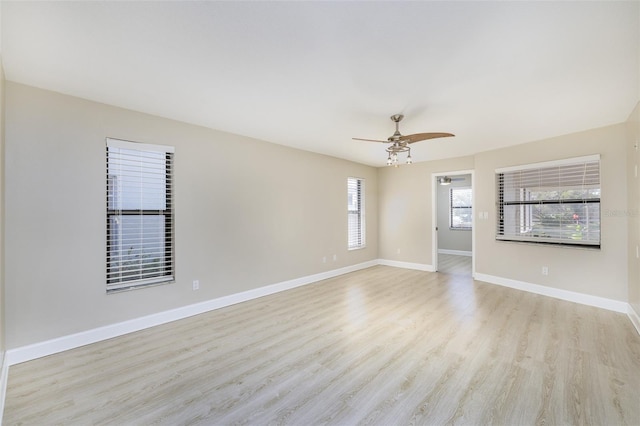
[(453, 222)]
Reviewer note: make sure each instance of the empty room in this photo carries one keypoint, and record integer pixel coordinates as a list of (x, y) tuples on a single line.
[(331, 212)]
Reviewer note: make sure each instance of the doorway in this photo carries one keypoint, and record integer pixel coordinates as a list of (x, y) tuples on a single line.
[(453, 236)]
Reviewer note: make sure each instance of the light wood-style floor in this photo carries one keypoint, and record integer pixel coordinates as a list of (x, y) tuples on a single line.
[(381, 346), (454, 264)]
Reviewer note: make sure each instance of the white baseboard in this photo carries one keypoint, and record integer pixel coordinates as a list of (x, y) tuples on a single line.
[(634, 317), (571, 296), (4, 378), (49, 347), (455, 252), (406, 265)]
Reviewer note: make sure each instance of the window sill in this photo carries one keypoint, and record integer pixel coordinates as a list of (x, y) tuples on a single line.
[(133, 286), (589, 247)]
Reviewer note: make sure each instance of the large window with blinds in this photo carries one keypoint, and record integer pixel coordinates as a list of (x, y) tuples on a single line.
[(555, 202), (355, 213), (139, 215)]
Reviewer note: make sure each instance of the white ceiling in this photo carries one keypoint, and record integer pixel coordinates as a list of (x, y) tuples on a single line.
[(312, 75)]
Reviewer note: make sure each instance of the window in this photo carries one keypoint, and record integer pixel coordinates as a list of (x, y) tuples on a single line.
[(556, 202), (139, 215), (355, 212), (460, 214)]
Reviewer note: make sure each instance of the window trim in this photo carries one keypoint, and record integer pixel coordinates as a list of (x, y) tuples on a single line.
[(452, 207), (527, 205), (168, 214), (360, 213)]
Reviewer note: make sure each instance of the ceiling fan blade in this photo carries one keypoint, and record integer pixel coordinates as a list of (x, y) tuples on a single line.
[(369, 140), (417, 137)]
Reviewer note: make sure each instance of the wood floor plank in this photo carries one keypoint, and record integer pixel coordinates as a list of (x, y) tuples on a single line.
[(375, 347)]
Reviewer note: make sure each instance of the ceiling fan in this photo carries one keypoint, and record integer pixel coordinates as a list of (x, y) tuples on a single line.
[(400, 143), (446, 180)]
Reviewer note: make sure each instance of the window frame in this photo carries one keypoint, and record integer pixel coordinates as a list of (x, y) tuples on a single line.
[(166, 274), (452, 227), (523, 215), (356, 239)]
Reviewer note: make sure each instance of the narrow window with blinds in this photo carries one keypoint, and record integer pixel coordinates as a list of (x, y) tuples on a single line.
[(556, 202), (460, 214), (355, 213), (139, 215)]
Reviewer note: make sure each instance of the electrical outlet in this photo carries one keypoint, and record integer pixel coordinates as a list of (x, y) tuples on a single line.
[(324, 259), (398, 251), (335, 257), (196, 284), (545, 270)]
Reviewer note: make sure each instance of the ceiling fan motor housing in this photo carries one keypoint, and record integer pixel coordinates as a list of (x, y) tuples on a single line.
[(398, 147)]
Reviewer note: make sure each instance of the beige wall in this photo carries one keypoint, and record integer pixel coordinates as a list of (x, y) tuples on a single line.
[(405, 216), (594, 272), (2, 214), (248, 214), (633, 160), (405, 212), (633, 209)]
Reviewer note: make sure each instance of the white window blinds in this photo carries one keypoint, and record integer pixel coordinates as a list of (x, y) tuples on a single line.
[(355, 213), (556, 202), (139, 214), (460, 214)]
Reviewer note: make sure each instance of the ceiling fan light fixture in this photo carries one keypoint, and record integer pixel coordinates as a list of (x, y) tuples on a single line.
[(400, 143)]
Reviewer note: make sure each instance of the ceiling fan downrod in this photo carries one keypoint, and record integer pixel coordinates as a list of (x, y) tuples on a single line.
[(396, 118)]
